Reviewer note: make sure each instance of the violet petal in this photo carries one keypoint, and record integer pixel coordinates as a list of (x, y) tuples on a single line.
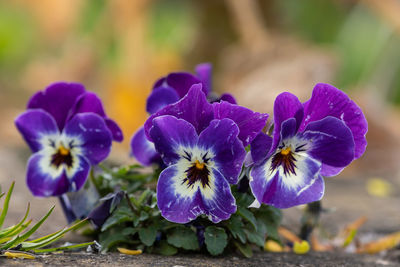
[(287, 190), (93, 135), (326, 101), (286, 106), (331, 142), (250, 123), (170, 135), (192, 108), (161, 97), (116, 132), (228, 98), (260, 147), (221, 137), (176, 201), (57, 99), (143, 150), (204, 73), (46, 181), (183, 81), (33, 125), (222, 203)]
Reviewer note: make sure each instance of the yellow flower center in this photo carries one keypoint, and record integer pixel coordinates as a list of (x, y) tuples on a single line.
[(63, 151), (199, 165), (285, 151)]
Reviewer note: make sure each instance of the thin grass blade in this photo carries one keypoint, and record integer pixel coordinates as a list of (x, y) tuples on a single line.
[(5, 205), (26, 235)]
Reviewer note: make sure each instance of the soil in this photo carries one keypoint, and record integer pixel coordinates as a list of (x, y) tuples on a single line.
[(259, 259)]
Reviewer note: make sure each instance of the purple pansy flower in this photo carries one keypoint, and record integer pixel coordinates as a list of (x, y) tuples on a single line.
[(319, 137), (201, 167), (63, 100), (168, 90), (68, 132), (62, 159)]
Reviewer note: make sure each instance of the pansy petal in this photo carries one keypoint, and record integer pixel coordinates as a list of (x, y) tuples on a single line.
[(286, 106), (34, 125), (331, 142), (204, 73), (260, 147), (160, 97), (183, 81), (288, 129), (193, 108), (250, 123), (143, 150), (160, 83), (326, 101), (44, 180), (92, 135), (220, 204), (176, 201), (57, 99), (221, 137), (171, 135), (88, 102), (228, 98), (116, 132), (275, 188)]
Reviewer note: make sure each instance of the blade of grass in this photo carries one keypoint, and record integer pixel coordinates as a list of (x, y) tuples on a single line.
[(11, 231), (43, 237), (27, 234), (17, 231), (52, 238), (47, 250), (5, 205)]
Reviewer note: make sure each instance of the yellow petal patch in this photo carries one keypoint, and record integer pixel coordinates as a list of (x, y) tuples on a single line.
[(19, 255), (379, 187), (385, 243), (129, 251), (272, 246), (301, 247)]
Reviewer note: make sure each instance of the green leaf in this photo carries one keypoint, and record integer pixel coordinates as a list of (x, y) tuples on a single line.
[(165, 249), (143, 216), (216, 239), (148, 235), (129, 231), (235, 226), (270, 217), (122, 214), (254, 236), (248, 216), (245, 249), (183, 237), (6, 203), (111, 238)]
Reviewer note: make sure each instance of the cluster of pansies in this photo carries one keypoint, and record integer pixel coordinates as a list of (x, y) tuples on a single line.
[(203, 143)]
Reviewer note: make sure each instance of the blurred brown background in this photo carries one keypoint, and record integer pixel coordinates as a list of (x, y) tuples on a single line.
[(118, 48)]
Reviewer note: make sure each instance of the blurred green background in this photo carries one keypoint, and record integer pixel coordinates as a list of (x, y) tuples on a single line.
[(258, 48)]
